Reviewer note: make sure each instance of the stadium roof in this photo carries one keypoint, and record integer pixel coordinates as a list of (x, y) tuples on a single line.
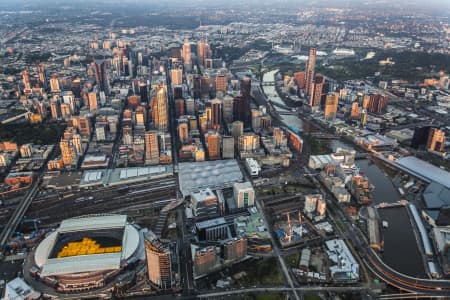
[(213, 174), (93, 222), (92, 262), (425, 170)]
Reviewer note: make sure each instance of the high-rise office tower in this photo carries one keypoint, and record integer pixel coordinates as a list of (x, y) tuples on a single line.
[(42, 75), (160, 113), (193, 124), (256, 119), (55, 110), (186, 53), (203, 51), (300, 79), (227, 147), (196, 86), (101, 75), (176, 76), (221, 83), (92, 102), (54, 84), (140, 117), (216, 113), (212, 140), (365, 101), (241, 110), (190, 106), (331, 105), (316, 91), (237, 129), (205, 86), (179, 107), (246, 88), (26, 82), (159, 267), (151, 147), (420, 137), (310, 69), (183, 132), (354, 115), (436, 140), (143, 92), (227, 109), (377, 103)]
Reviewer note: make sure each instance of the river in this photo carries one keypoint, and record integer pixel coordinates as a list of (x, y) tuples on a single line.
[(401, 251)]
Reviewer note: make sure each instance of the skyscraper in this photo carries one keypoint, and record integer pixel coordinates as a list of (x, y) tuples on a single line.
[(101, 75), (183, 132), (176, 76), (315, 95), (216, 113), (221, 83), (159, 111), (42, 75), (203, 51), (377, 103), (354, 115), (179, 107), (212, 140), (151, 147), (227, 109), (436, 140), (227, 147), (92, 102), (241, 108), (186, 54), (310, 69), (331, 105), (159, 267), (26, 82), (299, 78), (54, 84)]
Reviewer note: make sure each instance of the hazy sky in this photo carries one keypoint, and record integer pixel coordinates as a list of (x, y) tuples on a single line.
[(443, 5)]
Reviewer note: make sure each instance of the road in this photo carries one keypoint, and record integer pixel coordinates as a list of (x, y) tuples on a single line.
[(18, 214), (301, 290), (276, 250)]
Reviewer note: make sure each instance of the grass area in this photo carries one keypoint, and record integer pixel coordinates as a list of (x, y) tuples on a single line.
[(318, 147), (264, 297), (41, 134), (411, 66), (312, 297), (262, 272), (292, 260)]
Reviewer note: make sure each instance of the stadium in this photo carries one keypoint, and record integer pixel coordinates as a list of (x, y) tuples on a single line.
[(87, 253)]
